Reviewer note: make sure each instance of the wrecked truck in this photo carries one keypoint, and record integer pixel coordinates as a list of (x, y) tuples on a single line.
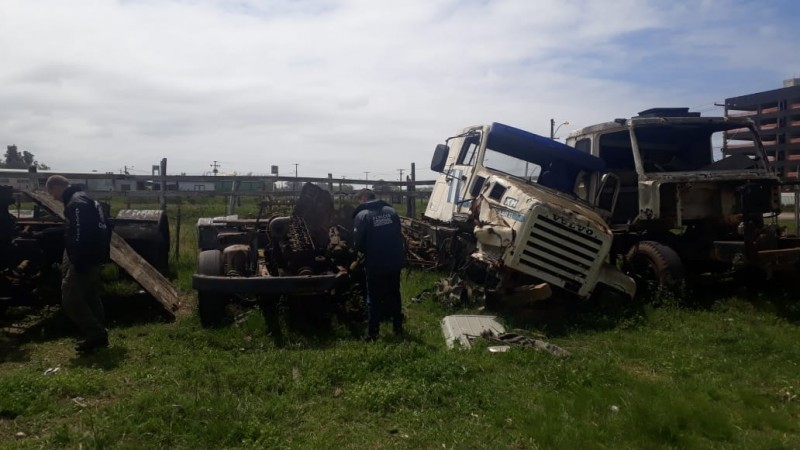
[(32, 248), (511, 208), (304, 254), (680, 210)]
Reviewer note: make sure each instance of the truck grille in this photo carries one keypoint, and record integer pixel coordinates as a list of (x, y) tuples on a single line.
[(560, 254)]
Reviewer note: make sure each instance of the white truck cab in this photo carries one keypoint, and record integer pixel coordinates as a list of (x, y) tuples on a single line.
[(525, 199)]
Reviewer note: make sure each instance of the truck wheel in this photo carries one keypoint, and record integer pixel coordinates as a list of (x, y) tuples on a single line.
[(209, 262), (210, 305), (654, 265)]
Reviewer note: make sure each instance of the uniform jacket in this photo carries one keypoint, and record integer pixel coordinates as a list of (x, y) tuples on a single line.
[(88, 235), (377, 234)]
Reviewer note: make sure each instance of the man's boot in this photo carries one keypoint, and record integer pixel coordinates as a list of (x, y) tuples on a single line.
[(92, 344)]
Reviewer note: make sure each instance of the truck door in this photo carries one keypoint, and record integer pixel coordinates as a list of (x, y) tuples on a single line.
[(459, 194), (452, 194)]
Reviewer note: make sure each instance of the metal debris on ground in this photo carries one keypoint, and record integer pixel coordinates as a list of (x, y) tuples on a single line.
[(499, 348), (455, 291), (522, 341)]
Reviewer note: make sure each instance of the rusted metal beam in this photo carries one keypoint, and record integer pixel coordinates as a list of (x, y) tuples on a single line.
[(124, 256)]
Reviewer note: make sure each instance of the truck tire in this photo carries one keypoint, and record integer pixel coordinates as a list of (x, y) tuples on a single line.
[(210, 305), (654, 265)]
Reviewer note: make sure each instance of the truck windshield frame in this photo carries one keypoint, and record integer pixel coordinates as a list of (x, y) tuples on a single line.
[(499, 161), (689, 147), (521, 155)]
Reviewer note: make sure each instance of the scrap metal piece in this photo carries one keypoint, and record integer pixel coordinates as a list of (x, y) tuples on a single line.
[(459, 328), (499, 348), (524, 341)]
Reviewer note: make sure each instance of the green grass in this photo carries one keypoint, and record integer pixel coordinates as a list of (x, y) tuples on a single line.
[(723, 374), (724, 377)]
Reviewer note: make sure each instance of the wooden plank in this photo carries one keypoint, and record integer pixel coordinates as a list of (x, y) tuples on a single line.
[(127, 258), (144, 274)]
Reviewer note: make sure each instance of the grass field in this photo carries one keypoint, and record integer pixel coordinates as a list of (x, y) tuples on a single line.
[(715, 370)]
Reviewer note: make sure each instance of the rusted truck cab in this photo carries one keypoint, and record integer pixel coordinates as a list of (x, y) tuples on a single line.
[(683, 208), (525, 202)]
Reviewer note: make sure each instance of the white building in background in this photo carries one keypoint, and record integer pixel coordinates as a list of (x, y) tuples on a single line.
[(96, 184), (195, 186)]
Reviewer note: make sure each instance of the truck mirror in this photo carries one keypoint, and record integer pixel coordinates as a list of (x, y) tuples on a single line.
[(439, 158)]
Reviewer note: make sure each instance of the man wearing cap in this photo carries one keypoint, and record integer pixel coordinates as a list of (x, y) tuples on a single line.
[(378, 236), (86, 248)]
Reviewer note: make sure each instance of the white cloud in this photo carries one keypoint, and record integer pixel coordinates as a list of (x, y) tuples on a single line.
[(336, 86)]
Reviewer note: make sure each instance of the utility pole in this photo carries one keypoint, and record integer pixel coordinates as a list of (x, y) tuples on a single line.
[(215, 167), (411, 206), (162, 172), (401, 173), (294, 188), (341, 191), (366, 185)]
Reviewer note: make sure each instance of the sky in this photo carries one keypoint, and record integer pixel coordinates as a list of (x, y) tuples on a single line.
[(353, 86)]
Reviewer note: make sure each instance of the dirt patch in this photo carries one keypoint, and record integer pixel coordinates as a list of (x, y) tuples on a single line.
[(642, 372)]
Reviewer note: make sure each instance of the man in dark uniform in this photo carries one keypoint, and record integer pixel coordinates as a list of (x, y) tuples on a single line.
[(377, 234), (87, 246)]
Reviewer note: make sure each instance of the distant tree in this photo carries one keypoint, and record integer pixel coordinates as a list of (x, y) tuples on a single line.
[(383, 186), (16, 160), (13, 159)]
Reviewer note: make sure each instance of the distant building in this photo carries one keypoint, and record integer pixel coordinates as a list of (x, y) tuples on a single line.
[(244, 186), (195, 186), (777, 116)]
